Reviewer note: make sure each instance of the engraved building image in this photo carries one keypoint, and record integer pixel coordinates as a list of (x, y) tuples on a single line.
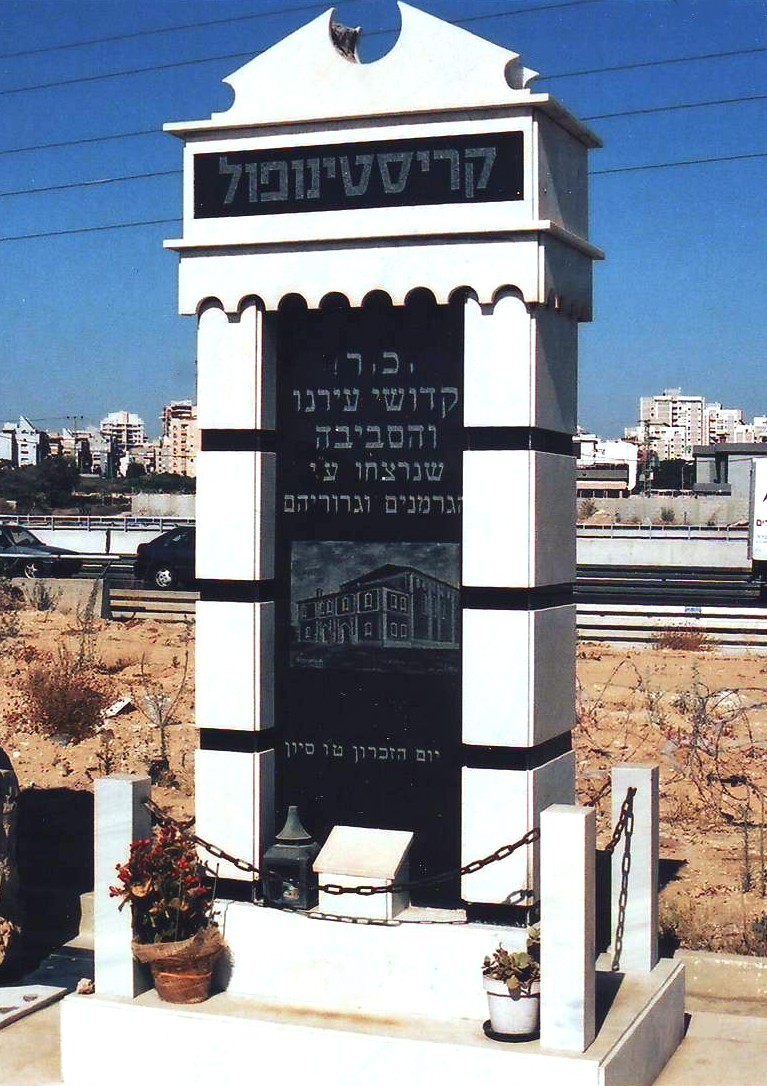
[(391, 605)]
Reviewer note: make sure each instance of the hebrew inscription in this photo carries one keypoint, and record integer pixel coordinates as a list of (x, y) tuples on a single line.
[(373, 415), (382, 173), (369, 450)]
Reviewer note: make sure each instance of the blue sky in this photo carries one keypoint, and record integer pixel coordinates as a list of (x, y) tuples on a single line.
[(89, 320)]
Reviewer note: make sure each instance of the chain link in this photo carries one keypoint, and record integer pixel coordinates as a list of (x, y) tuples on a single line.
[(165, 819), (501, 853), (432, 880), (626, 813), (623, 893)]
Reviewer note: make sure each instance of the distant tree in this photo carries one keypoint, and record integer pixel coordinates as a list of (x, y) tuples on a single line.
[(46, 485), (135, 471), (57, 478), (165, 483)]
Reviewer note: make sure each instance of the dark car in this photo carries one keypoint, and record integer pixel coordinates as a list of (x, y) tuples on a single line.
[(22, 553), (167, 560)]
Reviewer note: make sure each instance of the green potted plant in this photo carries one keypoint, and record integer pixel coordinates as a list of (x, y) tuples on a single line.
[(163, 881), (512, 981)]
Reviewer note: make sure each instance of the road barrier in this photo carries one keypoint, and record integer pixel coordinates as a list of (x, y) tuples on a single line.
[(720, 628), (727, 628)]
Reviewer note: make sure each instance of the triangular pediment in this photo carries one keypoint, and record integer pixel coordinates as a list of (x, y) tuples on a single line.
[(433, 66)]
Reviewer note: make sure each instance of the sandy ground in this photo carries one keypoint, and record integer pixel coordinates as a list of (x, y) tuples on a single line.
[(701, 716), (149, 663)]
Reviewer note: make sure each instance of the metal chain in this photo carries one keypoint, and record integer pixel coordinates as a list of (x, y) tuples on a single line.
[(432, 880), (165, 819), (501, 853), (623, 893), (626, 813)]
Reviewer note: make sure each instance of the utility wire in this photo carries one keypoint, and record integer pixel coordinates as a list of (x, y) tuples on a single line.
[(89, 229), (244, 55), (170, 173), (683, 162), (262, 15), (656, 63), (86, 139), (91, 184), (592, 173), (162, 30), (591, 117), (675, 107)]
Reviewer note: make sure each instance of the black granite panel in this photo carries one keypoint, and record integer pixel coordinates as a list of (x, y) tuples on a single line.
[(382, 173), (368, 575)]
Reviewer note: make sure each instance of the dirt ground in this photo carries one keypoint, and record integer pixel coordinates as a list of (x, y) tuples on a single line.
[(149, 663), (699, 714)]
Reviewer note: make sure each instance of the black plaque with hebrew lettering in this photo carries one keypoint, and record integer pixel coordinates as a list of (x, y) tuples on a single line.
[(368, 571), (482, 168)]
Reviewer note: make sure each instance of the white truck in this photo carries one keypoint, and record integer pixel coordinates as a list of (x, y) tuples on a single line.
[(757, 523)]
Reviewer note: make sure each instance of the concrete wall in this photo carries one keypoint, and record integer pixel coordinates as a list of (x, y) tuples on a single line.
[(66, 596), (162, 505), (687, 508), (638, 550)]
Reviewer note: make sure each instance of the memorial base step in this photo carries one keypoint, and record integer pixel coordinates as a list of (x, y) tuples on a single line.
[(641, 1021)]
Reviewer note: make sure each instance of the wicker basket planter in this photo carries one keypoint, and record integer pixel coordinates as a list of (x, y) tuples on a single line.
[(182, 971)]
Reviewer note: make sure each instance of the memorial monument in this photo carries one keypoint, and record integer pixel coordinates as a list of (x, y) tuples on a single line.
[(388, 263)]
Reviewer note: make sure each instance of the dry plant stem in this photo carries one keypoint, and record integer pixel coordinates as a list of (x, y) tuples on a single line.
[(163, 707), (762, 843)]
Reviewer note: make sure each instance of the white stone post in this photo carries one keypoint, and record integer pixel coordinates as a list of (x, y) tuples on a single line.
[(119, 818), (634, 877), (568, 843)]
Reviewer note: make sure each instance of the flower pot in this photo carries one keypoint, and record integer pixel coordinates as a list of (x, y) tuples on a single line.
[(513, 1013), (182, 971)]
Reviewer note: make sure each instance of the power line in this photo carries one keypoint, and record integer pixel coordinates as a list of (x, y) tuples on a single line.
[(118, 75), (89, 229), (657, 63), (683, 162), (91, 184), (592, 173), (677, 106), (161, 30), (262, 15), (170, 173), (474, 18), (592, 117)]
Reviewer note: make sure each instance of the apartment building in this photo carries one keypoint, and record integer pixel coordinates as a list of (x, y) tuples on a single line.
[(125, 428), (180, 441)]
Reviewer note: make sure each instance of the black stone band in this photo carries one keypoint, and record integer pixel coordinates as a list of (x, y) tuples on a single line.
[(238, 441), (509, 916), (515, 438), (519, 758), (237, 742), (237, 591), (475, 438), (516, 599)]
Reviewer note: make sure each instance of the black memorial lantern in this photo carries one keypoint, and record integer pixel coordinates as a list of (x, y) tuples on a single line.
[(288, 877)]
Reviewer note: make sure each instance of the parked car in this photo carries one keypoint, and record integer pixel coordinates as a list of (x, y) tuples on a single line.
[(22, 553), (168, 560)]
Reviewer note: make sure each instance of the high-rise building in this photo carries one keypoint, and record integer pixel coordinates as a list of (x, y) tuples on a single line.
[(671, 424), (721, 423), (180, 438), (683, 415), (125, 428)]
